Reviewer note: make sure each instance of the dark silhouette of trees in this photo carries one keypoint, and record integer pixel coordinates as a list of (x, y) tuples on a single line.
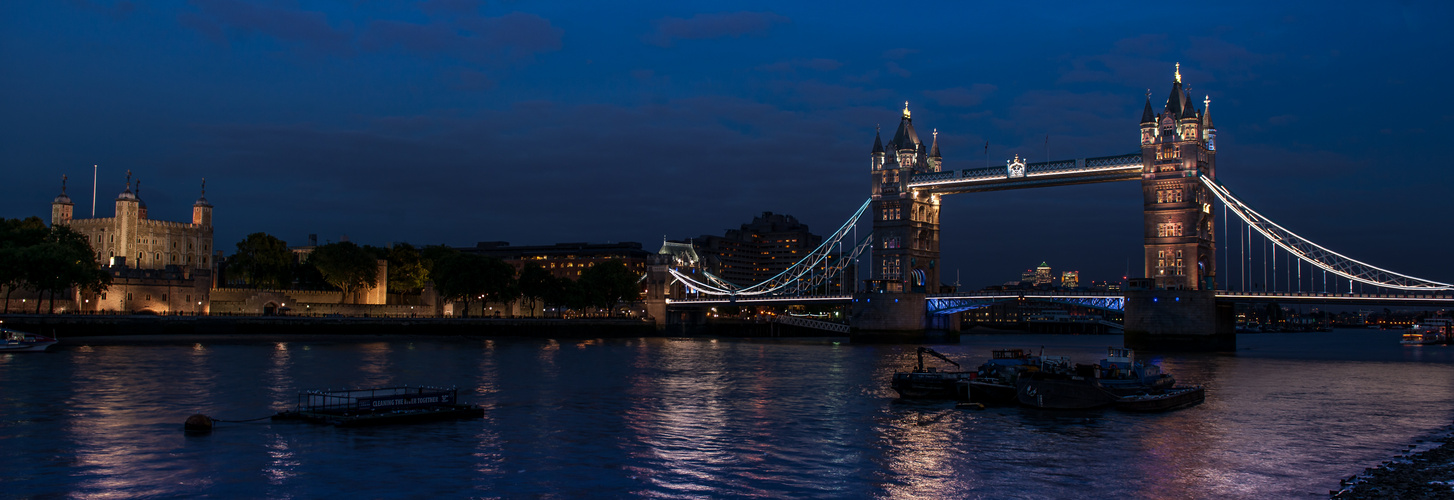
[(263, 261), (465, 277), (406, 269), (346, 266), (536, 283), (43, 259), (608, 283)]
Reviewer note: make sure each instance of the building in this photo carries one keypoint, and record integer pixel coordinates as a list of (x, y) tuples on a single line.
[(1070, 279), (905, 221), (1043, 276), (758, 250), (564, 260), (1178, 147), (1028, 276), (156, 266)]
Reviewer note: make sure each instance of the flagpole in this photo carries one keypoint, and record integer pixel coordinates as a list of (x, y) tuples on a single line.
[(94, 168)]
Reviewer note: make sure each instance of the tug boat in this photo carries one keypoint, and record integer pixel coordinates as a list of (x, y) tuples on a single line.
[(1430, 331), (18, 341), (931, 383)]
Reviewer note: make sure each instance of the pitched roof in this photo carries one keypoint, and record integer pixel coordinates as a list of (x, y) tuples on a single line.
[(905, 137)]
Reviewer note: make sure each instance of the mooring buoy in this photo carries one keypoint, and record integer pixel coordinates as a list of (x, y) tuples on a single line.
[(198, 423)]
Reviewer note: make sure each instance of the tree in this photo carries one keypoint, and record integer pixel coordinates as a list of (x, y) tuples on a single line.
[(464, 277), (46, 259), (535, 284), (608, 283), (263, 261), (346, 266), (459, 277), (406, 269), (16, 235), (431, 255)]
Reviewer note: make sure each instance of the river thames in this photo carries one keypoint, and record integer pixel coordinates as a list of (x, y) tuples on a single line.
[(1286, 415)]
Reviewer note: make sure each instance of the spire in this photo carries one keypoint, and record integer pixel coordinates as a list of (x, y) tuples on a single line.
[(1207, 113), (126, 195), (1146, 115), (1174, 101), (1188, 107), (878, 145), (905, 137), (63, 198), (934, 152), (202, 200)]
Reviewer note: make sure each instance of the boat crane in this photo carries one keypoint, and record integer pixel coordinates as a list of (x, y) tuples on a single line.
[(931, 352)]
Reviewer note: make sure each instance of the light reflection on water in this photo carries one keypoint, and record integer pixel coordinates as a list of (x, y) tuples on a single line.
[(1286, 416)]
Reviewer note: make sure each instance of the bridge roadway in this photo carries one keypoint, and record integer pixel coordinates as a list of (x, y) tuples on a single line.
[(947, 303)]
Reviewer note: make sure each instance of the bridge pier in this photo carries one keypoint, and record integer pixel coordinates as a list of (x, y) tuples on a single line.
[(898, 317), (1178, 320)]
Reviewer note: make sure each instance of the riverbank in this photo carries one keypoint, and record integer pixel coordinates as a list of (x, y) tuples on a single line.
[(65, 326), (1421, 472)]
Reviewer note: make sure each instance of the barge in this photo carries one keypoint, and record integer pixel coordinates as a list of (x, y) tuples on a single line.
[(380, 406)]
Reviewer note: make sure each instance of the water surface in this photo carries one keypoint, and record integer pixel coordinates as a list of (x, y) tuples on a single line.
[(1285, 416)]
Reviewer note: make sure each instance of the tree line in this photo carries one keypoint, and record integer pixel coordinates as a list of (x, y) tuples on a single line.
[(264, 261), (46, 259)]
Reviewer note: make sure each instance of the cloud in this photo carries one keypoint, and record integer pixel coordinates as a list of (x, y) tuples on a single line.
[(707, 26), (793, 65), (471, 80), (1135, 59), (898, 53), (457, 7), (894, 68), (588, 172), (960, 97), (308, 28), (485, 39)]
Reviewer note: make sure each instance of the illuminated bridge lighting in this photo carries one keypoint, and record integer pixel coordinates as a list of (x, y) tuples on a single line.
[(1317, 255)]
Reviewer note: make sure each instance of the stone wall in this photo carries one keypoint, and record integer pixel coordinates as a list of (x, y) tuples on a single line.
[(1178, 320)]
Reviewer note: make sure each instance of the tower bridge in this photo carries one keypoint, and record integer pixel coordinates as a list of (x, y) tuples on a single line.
[(1177, 305)]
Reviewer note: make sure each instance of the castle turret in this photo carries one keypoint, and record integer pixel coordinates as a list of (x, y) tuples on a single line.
[(1209, 131), (876, 158), (1148, 122), (140, 203), (202, 210), (61, 208), (934, 153), (127, 217)]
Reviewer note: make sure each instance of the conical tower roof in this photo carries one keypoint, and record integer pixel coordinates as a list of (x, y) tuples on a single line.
[(1147, 116), (878, 145), (905, 137)]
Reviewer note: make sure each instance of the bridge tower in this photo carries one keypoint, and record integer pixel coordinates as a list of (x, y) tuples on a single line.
[(1174, 307), (1177, 145), (905, 221)]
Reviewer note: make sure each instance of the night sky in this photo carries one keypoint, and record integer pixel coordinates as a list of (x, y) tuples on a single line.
[(455, 121)]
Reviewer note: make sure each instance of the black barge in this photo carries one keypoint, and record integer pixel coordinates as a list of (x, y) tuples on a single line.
[(380, 406)]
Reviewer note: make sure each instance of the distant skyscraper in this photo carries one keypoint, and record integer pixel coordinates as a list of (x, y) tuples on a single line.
[(1028, 276), (1043, 276), (1070, 279)]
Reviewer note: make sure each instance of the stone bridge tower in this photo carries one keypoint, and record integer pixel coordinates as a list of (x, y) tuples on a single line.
[(905, 222), (1177, 146)]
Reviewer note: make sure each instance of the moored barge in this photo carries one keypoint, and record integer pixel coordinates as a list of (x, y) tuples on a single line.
[(380, 406)]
